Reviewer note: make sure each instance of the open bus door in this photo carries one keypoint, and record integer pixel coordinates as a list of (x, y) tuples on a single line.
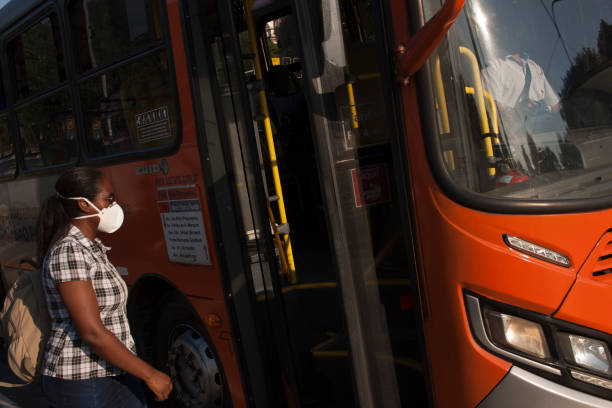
[(361, 179), (307, 157)]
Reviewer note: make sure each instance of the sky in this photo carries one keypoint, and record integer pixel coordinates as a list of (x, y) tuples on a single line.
[(528, 26), (3, 2)]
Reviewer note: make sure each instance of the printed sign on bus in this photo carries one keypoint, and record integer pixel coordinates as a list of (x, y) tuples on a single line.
[(370, 185)]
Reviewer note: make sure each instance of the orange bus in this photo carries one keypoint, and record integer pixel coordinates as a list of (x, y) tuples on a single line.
[(333, 203)]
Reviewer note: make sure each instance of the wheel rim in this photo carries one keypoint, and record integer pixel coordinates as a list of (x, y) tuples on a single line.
[(194, 370)]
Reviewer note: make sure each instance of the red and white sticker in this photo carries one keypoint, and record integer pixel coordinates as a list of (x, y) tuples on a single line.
[(370, 185)]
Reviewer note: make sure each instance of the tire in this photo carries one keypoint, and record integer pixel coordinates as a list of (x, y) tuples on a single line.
[(183, 350)]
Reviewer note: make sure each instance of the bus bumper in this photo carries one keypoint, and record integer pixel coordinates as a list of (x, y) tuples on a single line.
[(521, 388)]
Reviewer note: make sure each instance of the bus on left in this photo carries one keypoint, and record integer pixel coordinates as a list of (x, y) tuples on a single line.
[(106, 83)]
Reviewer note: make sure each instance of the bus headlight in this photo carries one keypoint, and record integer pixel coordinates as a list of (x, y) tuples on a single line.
[(515, 333), (586, 352), (576, 356)]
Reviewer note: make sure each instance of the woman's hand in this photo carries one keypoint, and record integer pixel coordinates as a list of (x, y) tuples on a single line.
[(160, 384), (80, 300)]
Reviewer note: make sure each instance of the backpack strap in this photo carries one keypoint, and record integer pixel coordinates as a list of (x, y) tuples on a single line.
[(26, 261), (13, 385)]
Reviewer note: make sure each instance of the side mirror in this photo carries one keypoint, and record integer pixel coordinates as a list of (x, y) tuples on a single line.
[(421, 45)]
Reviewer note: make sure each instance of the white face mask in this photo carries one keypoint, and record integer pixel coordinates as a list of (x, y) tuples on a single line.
[(111, 217)]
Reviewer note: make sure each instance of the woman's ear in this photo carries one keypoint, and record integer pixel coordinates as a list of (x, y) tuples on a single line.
[(84, 206)]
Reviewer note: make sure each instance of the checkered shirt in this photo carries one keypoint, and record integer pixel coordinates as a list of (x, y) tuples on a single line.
[(76, 258)]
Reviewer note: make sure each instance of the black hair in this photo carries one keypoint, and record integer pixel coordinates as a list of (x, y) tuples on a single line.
[(56, 212)]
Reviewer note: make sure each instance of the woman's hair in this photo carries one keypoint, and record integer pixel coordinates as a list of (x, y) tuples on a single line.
[(56, 212)]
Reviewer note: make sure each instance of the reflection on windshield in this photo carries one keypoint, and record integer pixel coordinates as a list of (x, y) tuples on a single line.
[(524, 98)]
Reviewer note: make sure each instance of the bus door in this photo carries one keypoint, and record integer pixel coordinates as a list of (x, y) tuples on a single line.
[(326, 140), (361, 179), (305, 159), (232, 166)]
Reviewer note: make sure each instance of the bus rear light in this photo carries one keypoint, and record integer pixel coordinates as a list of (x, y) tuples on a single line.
[(591, 379), (536, 251), (517, 334), (586, 352)]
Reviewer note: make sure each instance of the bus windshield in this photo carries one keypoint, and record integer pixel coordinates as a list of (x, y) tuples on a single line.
[(523, 98)]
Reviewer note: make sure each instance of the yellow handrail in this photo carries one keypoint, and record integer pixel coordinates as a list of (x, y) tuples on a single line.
[(442, 109), (263, 103), (351, 96), (480, 103), (352, 105), (441, 97), (494, 119)]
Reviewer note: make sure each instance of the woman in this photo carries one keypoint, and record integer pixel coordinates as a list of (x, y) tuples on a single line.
[(90, 358)]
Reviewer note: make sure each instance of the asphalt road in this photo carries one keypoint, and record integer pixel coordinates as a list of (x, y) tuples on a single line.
[(28, 396)]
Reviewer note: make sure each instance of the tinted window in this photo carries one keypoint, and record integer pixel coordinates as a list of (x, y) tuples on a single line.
[(130, 107), (2, 96), (37, 58), (46, 129), (523, 99), (7, 152), (107, 30)]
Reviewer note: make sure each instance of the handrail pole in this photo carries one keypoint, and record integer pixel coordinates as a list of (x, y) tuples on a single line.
[(263, 103)]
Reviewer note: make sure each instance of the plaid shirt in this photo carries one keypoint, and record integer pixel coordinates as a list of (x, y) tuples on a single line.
[(76, 258)]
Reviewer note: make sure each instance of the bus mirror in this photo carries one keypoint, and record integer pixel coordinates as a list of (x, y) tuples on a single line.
[(421, 45)]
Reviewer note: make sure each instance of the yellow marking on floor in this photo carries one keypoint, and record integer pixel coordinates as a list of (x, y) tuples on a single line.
[(332, 285), (397, 360), (332, 337)]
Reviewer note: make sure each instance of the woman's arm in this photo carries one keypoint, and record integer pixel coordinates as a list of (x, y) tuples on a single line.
[(80, 300)]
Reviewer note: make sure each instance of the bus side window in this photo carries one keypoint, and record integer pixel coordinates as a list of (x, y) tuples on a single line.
[(104, 31), (128, 106), (46, 123), (7, 151)]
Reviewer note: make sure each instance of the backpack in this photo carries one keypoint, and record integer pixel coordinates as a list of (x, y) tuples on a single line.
[(25, 324)]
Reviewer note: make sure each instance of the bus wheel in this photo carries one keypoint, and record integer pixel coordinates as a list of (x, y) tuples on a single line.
[(186, 354)]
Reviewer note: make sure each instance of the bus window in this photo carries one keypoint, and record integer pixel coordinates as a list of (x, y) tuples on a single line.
[(529, 99), (46, 128), (130, 107), (3, 104), (361, 100), (46, 124), (104, 31), (37, 58), (7, 151)]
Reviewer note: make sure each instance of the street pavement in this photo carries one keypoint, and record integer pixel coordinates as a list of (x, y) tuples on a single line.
[(28, 396)]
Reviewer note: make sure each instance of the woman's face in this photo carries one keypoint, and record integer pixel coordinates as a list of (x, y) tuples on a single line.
[(105, 196)]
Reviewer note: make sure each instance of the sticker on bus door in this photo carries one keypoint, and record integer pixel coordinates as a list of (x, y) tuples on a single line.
[(181, 218), (370, 185)]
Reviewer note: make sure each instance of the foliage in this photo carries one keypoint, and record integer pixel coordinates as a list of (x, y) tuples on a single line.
[(589, 61)]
